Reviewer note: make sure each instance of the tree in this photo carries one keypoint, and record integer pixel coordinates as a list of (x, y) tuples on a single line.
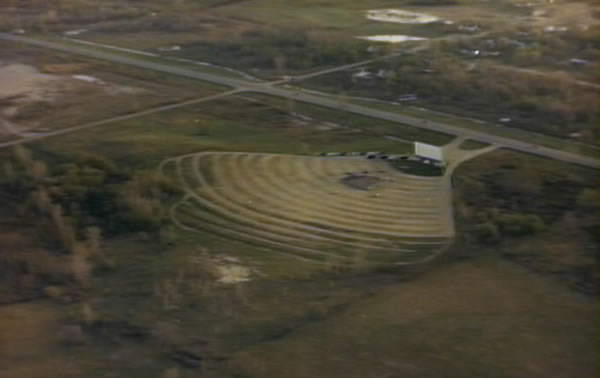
[(588, 200), (64, 228), (519, 224), (487, 233), (94, 240), (280, 61), (80, 264), (520, 181)]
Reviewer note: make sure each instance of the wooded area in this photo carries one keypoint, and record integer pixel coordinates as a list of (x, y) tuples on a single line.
[(58, 215)]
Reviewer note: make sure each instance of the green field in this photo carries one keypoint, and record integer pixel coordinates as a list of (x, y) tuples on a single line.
[(234, 124)]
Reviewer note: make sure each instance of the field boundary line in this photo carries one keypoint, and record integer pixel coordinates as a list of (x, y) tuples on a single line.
[(120, 118)]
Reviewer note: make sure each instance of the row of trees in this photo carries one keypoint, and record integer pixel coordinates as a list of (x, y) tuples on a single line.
[(42, 15), (280, 49)]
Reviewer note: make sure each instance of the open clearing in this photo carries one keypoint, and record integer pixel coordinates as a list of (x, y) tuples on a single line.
[(300, 204), (479, 318), (34, 85)]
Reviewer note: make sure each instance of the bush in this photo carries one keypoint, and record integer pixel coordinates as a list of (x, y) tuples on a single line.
[(519, 224), (487, 233), (588, 200)]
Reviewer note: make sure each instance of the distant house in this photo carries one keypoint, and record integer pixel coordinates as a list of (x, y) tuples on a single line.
[(553, 28), (169, 48), (72, 33), (469, 28), (372, 49), (490, 53), (363, 74), (579, 62), (408, 97), (382, 74)]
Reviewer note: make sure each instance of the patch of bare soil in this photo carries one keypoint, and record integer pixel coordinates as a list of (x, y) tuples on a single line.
[(20, 80), (28, 96), (360, 181)]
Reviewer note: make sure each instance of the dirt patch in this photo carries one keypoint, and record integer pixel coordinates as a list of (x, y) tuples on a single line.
[(64, 68), (29, 97), (233, 273), (21, 80), (360, 181)]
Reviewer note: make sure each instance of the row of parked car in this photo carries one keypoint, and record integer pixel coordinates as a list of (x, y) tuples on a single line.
[(368, 155)]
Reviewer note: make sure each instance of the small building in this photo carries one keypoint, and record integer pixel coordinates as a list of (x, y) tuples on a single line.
[(408, 97), (429, 153), (170, 48), (363, 74), (469, 28), (579, 62)]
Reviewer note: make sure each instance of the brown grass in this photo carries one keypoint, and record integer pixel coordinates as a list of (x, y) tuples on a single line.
[(475, 319), (28, 340)]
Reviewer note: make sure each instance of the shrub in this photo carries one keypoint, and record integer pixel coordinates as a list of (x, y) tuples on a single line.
[(519, 224), (487, 233)]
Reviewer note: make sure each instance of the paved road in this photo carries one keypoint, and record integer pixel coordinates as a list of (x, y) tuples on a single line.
[(443, 127), (330, 102)]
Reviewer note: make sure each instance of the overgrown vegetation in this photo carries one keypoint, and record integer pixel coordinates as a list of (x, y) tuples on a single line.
[(540, 214), (534, 46), (553, 105), (68, 207), (279, 50)]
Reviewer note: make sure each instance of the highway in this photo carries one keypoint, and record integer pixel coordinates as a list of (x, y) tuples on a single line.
[(242, 85)]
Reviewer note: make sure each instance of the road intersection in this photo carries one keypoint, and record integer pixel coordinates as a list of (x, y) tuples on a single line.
[(239, 85)]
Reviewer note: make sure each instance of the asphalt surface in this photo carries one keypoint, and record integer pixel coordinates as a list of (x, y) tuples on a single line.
[(241, 85)]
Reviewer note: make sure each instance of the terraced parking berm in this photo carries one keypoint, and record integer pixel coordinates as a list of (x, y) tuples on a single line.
[(301, 205)]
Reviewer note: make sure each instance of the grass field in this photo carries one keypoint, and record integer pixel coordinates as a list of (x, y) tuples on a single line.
[(235, 124), (117, 90), (481, 318)]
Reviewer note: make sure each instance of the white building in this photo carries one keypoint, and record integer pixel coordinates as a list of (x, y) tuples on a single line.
[(429, 152)]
